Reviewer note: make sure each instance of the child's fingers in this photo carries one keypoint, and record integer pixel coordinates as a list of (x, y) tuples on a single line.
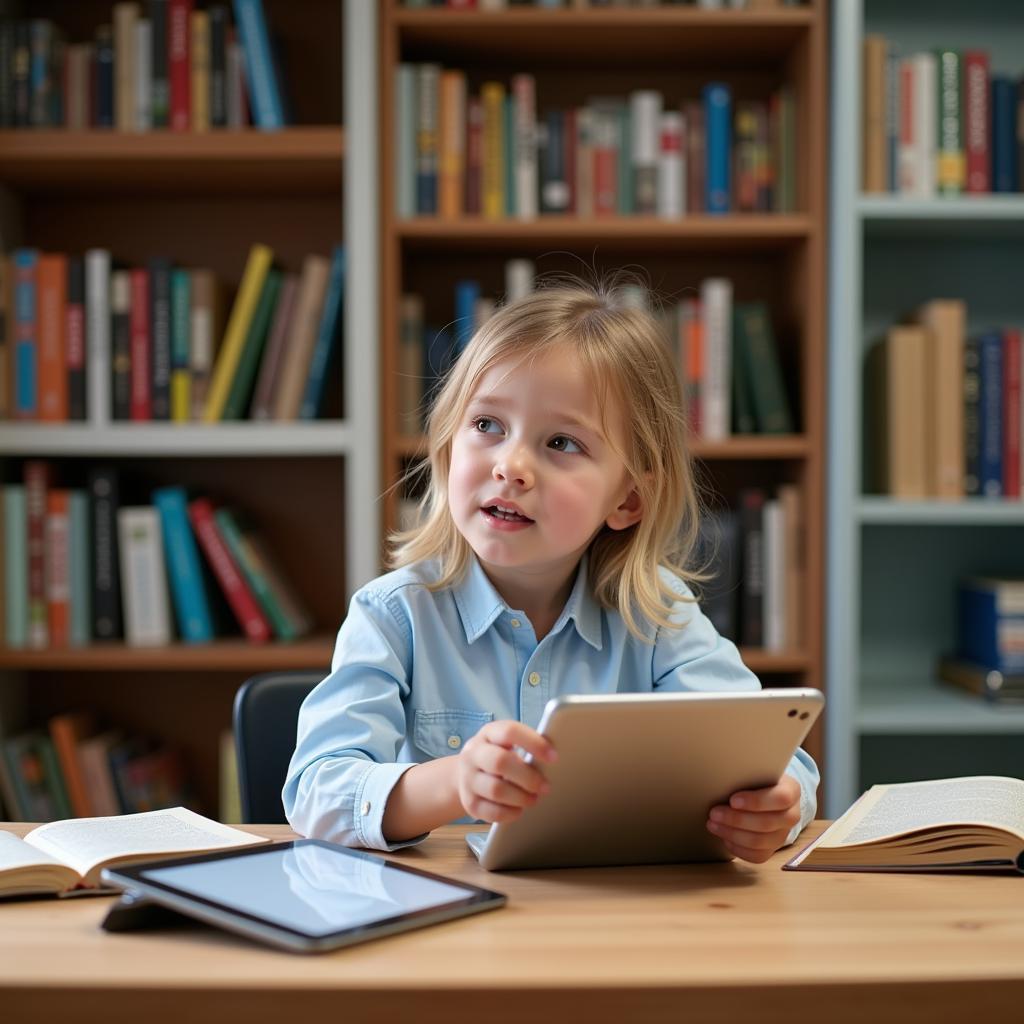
[(496, 790), (510, 734), (773, 798), (747, 839), (756, 821), (749, 853), (508, 765)]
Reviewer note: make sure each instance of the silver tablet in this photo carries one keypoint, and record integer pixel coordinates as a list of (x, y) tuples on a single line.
[(306, 896), (637, 774)]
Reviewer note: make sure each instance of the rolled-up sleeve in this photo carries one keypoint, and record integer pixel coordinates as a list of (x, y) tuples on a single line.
[(351, 729), (696, 657)]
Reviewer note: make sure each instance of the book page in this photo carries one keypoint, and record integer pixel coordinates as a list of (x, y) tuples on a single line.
[(85, 843), (892, 810), (16, 853)]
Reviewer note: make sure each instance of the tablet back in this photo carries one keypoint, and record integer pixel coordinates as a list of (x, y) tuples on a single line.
[(638, 773)]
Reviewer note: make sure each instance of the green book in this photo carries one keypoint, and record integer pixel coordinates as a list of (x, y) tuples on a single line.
[(743, 419), (759, 359), (240, 392)]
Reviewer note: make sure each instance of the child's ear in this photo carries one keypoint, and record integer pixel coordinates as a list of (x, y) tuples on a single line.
[(628, 513)]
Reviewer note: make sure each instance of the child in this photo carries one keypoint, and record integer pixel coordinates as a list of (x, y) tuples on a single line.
[(551, 558)]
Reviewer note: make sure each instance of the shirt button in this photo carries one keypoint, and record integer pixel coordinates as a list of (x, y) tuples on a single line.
[(455, 742), (534, 678), (365, 808), (516, 623)]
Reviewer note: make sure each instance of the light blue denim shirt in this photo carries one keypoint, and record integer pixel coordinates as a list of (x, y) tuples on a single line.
[(415, 674)]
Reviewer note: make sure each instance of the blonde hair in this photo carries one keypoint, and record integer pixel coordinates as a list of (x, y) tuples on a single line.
[(623, 349)]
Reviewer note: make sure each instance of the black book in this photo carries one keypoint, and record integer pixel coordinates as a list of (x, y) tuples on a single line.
[(121, 345), (972, 418), (752, 590), (218, 66), (21, 65), (106, 563), (7, 74), (104, 77), (160, 338), (76, 361), (718, 553), (161, 84)]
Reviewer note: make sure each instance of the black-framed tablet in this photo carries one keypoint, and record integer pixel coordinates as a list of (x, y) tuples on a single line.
[(305, 896)]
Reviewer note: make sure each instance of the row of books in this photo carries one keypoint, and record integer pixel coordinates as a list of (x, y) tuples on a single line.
[(940, 123), (726, 352), (175, 68), (490, 154), (989, 658), (501, 5), (69, 768), (946, 409), (80, 341), (81, 565)]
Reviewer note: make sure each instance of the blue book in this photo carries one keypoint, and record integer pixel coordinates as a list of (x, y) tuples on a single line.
[(183, 567), (260, 71), (1004, 135), (466, 295), (718, 140), (15, 567), (26, 357), (326, 337), (990, 414), (987, 609), (104, 77)]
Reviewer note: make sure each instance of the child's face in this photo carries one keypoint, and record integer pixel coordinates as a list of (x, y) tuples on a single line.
[(533, 477)]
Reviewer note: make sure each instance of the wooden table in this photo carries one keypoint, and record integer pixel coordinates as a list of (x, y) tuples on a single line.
[(685, 944)]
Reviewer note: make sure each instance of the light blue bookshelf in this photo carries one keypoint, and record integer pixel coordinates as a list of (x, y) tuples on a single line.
[(893, 565)]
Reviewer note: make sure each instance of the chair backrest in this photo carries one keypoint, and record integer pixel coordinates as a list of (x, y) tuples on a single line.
[(265, 718)]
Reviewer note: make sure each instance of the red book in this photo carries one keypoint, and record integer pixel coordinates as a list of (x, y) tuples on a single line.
[(51, 303), (241, 599), (37, 483), (977, 124), (178, 60), (606, 160), (696, 155), (474, 153), (58, 567), (141, 391), (1011, 411)]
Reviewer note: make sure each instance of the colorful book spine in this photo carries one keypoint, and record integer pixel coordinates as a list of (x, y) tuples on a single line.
[(15, 566), (261, 74), (160, 339), (179, 64), (467, 294), (237, 404), (977, 120), (120, 329), (37, 482), (199, 70), (58, 566), (717, 126), (51, 314), (1011, 412), (645, 111), (181, 332), (184, 570), (951, 168), (990, 623), (327, 339), (141, 353), (492, 183), (26, 356), (990, 414), (74, 335), (277, 341)]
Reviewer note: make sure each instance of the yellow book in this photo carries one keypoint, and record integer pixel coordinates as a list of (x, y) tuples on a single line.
[(492, 97), (181, 395), (200, 55), (452, 133), (256, 267)]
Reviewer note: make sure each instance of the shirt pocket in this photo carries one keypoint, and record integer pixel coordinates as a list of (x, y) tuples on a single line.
[(440, 733)]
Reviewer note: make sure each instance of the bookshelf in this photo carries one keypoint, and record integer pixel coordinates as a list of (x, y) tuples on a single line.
[(892, 565), (777, 258), (202, 200)]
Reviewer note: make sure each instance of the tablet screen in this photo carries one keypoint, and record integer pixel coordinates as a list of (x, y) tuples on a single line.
[(310, 888)]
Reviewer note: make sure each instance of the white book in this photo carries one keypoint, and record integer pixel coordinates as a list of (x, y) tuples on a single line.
[(519, 278), (97, 335), (524, 98), (143, 75), (147, 610), (773, 595), (645, 122), (671, 166), (924, 113), (405, 140), (716, 412)]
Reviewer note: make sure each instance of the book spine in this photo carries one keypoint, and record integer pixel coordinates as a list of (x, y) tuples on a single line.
[(474, 154), (925, 113), (74, 326), (203, 331), (405, 140), (190, 603), (671, 168), (605, 160), (7, 74), (768, 391), (120, 344), (97, 325), (179, 60), (218, 66), (243, 604), (237, 404), (26, 371), (199, 70), (41, 35), (492, 183), (410, 365), (524, 94), (237, 94), (696, 156), (37, 482), (143, 75), (180, 329), (66, 733), (554, 185), (773, 595), (1011, 412), (78, 560), (874, 60), (645, 110), (261, 75), (583, 184), (893, 104), (717, 120), (126, 19), (1004, 135), (161, 87), (467, 294), (972, 419), (752, 597), (716, 305), (951, 169), (160, 339), (51, 313), (6, 332), (57, 567), (270, 367), (143, 577), (15, 567), (104, 78), (508, 166), (106, 579), (990, 350), (328, 338), (141, 353), (451, 135), (428, 77), (20, 63)]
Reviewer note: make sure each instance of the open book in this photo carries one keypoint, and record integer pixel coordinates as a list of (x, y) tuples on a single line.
[(66, 857), (969, 824)]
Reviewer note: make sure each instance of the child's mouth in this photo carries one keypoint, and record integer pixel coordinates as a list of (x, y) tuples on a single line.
[(505, 515)]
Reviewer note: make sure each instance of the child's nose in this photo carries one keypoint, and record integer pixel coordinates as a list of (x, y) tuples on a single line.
[(514, 468)]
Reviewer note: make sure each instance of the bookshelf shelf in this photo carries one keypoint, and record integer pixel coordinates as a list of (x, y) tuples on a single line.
[(655, 233), (969, 512), (250, 162), (172, 440), (222, 655), (976, 207)]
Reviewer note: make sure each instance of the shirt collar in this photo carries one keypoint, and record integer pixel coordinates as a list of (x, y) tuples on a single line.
[(479, 605)]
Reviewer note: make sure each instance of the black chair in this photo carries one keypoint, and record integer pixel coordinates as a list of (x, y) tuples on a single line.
[(265, 718)]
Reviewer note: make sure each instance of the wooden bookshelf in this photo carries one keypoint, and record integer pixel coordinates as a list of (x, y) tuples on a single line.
[(200, 200), (777, 258)]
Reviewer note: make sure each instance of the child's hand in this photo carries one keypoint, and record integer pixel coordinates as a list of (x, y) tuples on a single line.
[(757, 822), (494, 782)]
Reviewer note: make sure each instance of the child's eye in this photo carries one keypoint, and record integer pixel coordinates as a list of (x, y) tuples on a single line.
[(562, 443), (485, 425)]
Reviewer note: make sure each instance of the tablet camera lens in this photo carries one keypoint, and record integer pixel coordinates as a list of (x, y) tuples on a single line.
[(804, 715), (792, 713)]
